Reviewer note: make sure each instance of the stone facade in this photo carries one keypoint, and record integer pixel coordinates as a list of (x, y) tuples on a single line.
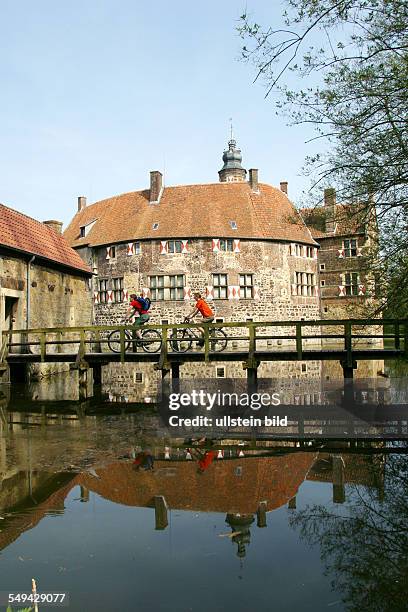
[(269, 269), (54, 298)]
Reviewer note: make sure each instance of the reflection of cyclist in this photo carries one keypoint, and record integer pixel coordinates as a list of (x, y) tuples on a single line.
[(139, 308), (203, 308)]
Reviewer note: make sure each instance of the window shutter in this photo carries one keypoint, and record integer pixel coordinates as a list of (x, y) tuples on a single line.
[(125, 295), (209, 292), (130, 250), (294, 289), (184, 246), (96, 297), (256, 294), (314, 252), (163, 247), (342, 291), (359, 252), (145, 292), (233, 292), (237, 245), (220, 454), (187, 293), (361, 290), (341, 253), (110, 297), (215, 245), (315, 290), (108, 252)]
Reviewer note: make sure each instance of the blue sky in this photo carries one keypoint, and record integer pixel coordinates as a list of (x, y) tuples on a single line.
[(96, 93)]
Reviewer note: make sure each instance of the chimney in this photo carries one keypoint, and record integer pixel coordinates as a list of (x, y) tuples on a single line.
[(55, 225), (81, 203), (156, 186), (284, 186), (253, 179), (330, 206)]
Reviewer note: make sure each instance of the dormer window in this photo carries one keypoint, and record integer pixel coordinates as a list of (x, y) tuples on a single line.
[(233, 225), (155, 226), (85, 229)]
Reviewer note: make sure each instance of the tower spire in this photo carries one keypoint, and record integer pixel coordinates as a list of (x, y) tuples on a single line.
[(232, 170)]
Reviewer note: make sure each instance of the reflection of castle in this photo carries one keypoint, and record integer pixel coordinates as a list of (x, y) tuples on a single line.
[(239, 488)]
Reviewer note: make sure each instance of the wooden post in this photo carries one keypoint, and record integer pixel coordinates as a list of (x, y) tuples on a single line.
[(97, 373), (175, 377), (42, 346), (84, 494), (160, 512), (292, 503), (339, 494), (83, 381), (299, 340), (252, 378), (122, 345), (348, 387), (261, 514), (397, 342), (206, 343), (348, 344)]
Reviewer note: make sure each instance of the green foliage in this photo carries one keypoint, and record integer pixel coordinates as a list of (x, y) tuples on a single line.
[(353, 55)]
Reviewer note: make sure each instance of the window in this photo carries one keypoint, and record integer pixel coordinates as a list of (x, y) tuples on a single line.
[(167, 287), (246, 285), (309, 251), (227, 244), (325, 309), (220, 372), (305, 283), (117, 287), (322, 283), (103, 290), (219, 320), (112, 253), (304, 367), (220, 286), (138, 377), (174, 246), (350, 247), (351, 282), (82, 232), (233, 225), (137, 247), (155, 226), (322, 266)]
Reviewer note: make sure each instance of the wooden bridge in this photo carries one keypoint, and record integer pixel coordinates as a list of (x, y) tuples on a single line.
[(251, 343)]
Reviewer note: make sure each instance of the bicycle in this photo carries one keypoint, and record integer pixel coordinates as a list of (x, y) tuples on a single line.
[(182, 340), (151, 340)]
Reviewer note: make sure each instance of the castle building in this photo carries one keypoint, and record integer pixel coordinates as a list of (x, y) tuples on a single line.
[(240, 242), (348, 239), (43, 281)]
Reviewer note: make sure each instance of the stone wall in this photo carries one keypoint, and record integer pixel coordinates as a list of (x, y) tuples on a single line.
[(57, 299), (271, 264)]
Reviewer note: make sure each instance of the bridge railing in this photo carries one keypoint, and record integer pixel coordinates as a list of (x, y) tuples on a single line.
[(250, 337)]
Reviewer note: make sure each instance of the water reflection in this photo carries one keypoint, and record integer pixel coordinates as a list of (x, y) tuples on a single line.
[(364, 550)]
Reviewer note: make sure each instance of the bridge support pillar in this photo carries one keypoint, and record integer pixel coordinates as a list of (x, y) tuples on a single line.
[(339, 494), (261, 514), (175, 377), (348, 377), (252, 377), (97, 373), (160, 512), (83, 381)]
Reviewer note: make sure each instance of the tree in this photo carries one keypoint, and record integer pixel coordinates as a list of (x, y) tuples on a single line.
[(356, 53), (364, 544)]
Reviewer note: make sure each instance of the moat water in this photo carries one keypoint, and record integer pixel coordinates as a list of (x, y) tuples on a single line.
[(79, 517)]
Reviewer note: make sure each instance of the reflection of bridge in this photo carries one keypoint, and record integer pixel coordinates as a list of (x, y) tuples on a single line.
[(240, 487), (251, 342)]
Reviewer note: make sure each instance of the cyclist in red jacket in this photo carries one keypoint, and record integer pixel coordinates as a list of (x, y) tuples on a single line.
[(138, 308)]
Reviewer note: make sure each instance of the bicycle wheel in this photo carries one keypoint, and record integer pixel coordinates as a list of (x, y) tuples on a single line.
[(218, 340), (151, 341), (114, 341), (180, 341)]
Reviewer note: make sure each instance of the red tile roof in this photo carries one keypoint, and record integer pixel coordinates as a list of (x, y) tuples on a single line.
[(192, 211), (24, 234)]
